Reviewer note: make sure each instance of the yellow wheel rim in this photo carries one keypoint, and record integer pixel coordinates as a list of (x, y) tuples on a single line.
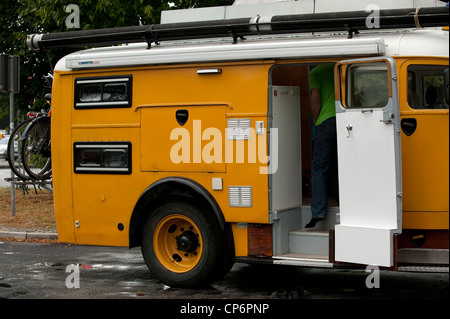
[(177, 243)]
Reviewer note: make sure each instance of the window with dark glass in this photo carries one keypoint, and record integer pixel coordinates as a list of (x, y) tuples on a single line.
[(102, 157), (426, 86), (103, 92)]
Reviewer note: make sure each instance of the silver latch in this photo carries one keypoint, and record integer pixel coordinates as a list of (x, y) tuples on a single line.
[(387, 117), (260, 128)]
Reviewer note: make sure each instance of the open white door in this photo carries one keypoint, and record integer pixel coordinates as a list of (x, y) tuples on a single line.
[(369, 156)]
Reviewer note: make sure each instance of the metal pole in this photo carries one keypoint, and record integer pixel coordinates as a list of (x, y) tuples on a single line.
[(11, 128), (13, 87)]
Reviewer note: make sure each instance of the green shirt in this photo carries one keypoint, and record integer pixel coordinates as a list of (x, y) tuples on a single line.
[(322, 77)]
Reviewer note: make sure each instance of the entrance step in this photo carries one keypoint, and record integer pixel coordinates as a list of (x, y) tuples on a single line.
[(309, 242), (332, 219), (303, 260), (290, 235)]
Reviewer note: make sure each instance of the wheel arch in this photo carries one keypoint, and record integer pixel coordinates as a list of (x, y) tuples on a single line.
[(168, 189)]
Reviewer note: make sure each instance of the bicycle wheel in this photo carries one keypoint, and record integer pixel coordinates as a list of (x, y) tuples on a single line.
[(36, 152), (14, 153)]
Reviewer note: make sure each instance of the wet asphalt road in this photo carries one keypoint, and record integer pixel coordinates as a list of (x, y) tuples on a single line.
[(30, 270)]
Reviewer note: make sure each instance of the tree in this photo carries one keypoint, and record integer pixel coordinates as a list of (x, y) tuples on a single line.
[(19, 18), (12, 36)]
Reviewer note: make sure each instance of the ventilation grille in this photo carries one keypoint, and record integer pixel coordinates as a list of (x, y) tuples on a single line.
[(240, 196), (238, 129)]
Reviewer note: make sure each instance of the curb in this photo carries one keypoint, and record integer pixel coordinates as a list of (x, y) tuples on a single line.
[(28, 235)]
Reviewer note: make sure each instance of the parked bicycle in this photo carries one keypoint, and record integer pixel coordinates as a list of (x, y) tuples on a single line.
[(36, 147), (14, 150), (29, 146)]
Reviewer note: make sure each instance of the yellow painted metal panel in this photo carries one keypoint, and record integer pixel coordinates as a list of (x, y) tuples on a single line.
[(425, 158), (62, 166), (102, 201), (240, 236), (196, 146), (425, 220), (89, 207)]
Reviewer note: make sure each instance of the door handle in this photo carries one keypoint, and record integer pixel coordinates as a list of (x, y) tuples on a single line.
[(349, 130), (408, 125), (182, 116)]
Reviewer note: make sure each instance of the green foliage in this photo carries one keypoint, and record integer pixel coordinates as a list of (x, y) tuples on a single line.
[(19, 18)]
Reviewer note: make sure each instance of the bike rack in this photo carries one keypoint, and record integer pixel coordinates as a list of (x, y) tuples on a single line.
[(46, 184)]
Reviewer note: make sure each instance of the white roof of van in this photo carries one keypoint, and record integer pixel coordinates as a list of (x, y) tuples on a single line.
[(392, 43)]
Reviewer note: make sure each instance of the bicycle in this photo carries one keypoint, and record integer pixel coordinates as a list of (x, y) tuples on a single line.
[(14, 150), (36, 147)]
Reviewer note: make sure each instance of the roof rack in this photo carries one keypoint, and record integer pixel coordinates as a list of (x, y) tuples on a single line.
[(351, 22)]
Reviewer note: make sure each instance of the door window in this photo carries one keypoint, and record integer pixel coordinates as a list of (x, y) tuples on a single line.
[(426, 89), (369, 85)]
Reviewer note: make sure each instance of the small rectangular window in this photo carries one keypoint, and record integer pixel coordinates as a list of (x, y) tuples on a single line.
[(103, 92), (102, 157), (426, 87), (368, 86), (89, 157), (90, 93)]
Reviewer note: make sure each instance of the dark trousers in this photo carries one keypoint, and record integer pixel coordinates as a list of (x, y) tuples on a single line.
[(324, 167)]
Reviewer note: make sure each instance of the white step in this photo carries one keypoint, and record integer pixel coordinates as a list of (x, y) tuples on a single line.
[(290, 235), (313, 241), (302, 260), (332, 219), (309, 242)]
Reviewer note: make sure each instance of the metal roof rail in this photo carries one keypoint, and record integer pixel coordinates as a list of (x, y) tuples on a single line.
[(351, 22)]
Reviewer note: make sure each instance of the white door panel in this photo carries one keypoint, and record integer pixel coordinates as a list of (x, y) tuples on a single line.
[(366, 193), (360, 245), (368, 134)]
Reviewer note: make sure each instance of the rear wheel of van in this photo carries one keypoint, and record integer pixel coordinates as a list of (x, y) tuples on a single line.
[(183, 245)]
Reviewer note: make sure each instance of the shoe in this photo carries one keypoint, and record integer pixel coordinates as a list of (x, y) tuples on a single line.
[(313, 222)]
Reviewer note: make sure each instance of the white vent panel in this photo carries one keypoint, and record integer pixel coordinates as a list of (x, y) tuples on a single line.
[(240, 196), (238, 129)]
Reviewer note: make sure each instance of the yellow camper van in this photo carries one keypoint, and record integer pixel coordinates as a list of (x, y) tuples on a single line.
[(194, 142)]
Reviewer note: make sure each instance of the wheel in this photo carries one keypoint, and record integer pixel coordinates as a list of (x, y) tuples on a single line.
[(183, 245), (14, 153), (36, 149)]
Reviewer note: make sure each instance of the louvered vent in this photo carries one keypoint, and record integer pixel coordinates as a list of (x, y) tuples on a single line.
[(238, 129), (240, 196)]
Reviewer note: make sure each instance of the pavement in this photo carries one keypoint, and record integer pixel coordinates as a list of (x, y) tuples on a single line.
[(27, 234)]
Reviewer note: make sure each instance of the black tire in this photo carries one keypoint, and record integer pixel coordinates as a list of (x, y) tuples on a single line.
[(162, 232), (36, 149), (14, 151)]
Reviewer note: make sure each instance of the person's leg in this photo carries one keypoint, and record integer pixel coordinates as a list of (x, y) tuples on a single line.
[(324, 148)]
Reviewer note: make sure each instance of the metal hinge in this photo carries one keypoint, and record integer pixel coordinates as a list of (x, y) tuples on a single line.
[(387, 117)]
